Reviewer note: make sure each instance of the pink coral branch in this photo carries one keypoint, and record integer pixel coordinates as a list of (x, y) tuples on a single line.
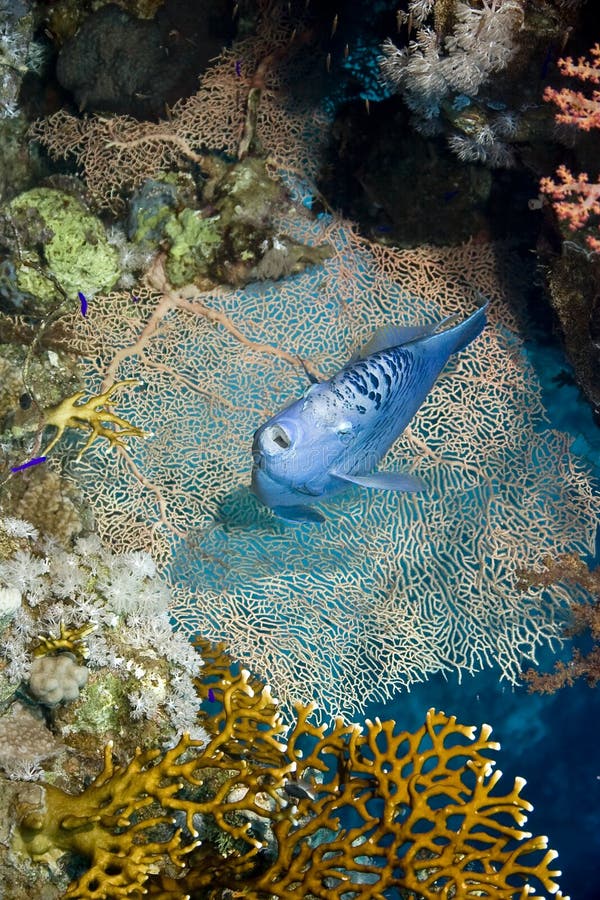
[(575, 108), (576, 199), (584, 69)]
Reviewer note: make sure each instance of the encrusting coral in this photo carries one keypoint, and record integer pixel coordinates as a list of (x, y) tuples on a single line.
[(56, 679), (313, 811), (55, 247), (46, 500), (23, 729)]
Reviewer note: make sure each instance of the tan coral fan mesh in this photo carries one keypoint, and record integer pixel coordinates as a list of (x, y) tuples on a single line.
[(408, 585), (118, 152)]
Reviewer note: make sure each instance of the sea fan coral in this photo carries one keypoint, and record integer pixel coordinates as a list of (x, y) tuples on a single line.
[(302, 605), (408, 585)]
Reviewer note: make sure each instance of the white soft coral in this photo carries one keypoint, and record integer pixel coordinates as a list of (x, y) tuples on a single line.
[(24, 572)]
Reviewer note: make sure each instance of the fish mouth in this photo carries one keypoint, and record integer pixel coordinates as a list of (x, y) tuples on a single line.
[(277, 436), (275, 439), (263, 486)]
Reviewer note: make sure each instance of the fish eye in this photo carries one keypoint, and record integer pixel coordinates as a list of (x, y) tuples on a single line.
[(277, 435)]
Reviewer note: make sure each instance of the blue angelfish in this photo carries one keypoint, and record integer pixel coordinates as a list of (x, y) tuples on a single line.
[(337, 433)]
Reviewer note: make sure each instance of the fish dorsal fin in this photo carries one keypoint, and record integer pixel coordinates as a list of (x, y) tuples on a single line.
[(395, 335)]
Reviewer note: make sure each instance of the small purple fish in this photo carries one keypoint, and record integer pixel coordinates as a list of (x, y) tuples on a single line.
[(83, 301), (135, 299), (211, 696), (31, 462), (238, 68)]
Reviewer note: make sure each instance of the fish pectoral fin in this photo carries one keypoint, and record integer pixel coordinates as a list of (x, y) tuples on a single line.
[(298, 514), (385, 481)]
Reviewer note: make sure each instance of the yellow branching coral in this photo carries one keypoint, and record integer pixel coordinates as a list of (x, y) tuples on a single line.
[(313, 811), (132, 820), (93, 415), (69, 640), (427, 816)]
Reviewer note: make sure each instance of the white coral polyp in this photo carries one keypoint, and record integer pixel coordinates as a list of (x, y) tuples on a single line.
[(10, 601)]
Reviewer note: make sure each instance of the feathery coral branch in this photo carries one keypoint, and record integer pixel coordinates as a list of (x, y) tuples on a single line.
[(575, 198)]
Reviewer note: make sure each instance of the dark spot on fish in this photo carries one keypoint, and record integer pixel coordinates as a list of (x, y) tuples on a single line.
[(358, 383), (361, 409)]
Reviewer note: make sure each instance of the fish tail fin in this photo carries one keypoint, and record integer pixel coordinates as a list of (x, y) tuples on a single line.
[(460, 336)]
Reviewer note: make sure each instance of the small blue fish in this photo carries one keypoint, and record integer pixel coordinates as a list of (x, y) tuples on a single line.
[(26, 465), (83, 302), (337, 433)]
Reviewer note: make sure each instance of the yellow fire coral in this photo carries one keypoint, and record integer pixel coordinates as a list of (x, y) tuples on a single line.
[(92, 414), (70, 640), (321, 812)]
